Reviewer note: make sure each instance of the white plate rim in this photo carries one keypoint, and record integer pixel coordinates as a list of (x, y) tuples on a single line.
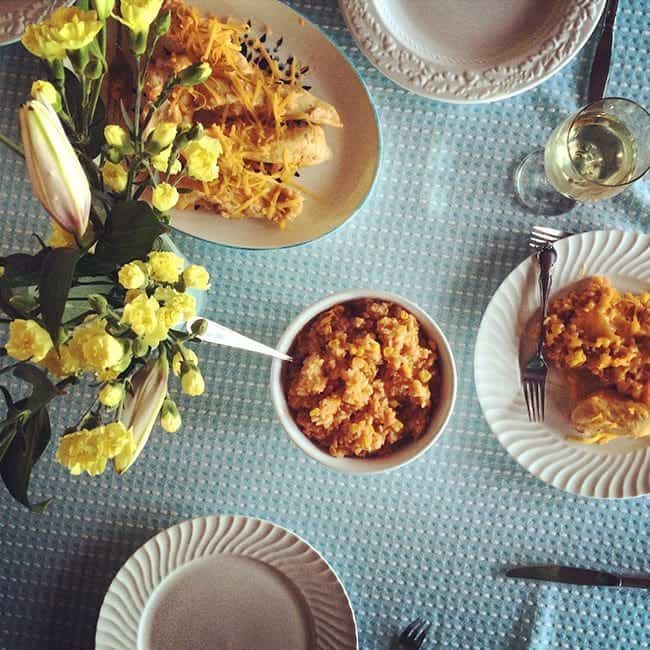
[(411, 72), (377, 158), (176, 546), (583, 470)]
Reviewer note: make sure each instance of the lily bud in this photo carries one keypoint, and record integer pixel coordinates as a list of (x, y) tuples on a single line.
[(194, 74), (141, 407), (45, 92), (58, 179)]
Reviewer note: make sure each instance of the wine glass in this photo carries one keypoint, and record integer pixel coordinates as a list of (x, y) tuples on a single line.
[(594, 154)]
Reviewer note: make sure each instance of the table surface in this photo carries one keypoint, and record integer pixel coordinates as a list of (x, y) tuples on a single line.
[(443, 229)]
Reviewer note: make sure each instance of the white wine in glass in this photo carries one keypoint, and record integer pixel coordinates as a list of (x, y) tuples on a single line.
[(592, 155)]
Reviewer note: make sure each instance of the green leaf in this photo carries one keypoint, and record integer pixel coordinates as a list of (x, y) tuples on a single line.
[(131, 229), (54, 286), (22, 270), (43, 390), (96, 132), (27, 446), (7, 435)]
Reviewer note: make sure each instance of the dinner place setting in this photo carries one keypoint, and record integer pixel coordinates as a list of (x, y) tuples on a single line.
[(325, 325)]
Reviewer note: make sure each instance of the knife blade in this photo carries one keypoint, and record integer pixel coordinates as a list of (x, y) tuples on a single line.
[(603, 56), (577, 576)]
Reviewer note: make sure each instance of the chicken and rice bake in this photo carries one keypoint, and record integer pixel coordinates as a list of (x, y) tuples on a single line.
[(365, 378)]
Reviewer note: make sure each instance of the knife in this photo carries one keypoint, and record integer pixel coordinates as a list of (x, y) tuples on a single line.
[(603, 56), (575, 576)]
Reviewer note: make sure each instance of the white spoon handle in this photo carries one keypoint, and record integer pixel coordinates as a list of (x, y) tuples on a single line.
[(221, 335)]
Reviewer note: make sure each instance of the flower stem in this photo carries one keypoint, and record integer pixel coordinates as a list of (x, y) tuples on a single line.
[(14, 146)]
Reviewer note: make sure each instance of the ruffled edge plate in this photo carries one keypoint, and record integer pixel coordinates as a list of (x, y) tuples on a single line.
[(618, 469), (136, 583)]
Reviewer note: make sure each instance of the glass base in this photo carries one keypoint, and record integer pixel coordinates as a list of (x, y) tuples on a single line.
[(534, 190)]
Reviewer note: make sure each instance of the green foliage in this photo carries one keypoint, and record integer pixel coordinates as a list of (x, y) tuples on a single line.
[(25, 434)]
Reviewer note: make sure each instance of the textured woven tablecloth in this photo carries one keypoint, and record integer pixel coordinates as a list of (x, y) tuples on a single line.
[(443, 229)]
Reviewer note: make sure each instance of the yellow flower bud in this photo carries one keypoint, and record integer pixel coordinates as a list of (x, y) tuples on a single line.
[(196, 277), (178, 359), (164, 134), (194, 74), (27, 340), (170, 418), (192, 382), (132, 275), (164, 197), (45, 92), (65, 30), (201, 157), (115, 176), (103, 8), (165, 266), (116, 136), (111, 395), (138, 15)]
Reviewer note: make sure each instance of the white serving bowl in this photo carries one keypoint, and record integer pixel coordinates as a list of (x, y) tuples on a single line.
[(403, 454)]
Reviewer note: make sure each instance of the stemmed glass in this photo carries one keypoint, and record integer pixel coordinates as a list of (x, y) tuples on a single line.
[(594, 154)]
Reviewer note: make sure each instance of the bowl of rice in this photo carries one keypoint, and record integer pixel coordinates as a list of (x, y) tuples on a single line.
[(372, 383)]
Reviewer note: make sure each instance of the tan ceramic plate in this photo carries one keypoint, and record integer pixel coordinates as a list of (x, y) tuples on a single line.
[(339, 185)]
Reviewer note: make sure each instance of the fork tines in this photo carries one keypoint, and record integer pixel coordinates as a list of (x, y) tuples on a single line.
[(543, 235), (414, 634), (534, 397)]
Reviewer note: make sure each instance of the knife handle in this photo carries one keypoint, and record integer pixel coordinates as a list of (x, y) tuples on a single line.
[(639, 582), (602, 59)]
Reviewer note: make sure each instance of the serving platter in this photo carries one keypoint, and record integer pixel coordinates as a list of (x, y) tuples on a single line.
[(336, 189), (466, 51), (618, 469), (228, 582)]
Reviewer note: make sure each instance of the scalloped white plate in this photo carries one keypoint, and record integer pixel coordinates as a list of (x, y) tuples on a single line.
[(470, 51), (618, 469), (226, 582)]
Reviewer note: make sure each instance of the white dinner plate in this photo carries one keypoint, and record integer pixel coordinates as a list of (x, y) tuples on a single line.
[(338, 187), (470, 51), (15, 15), (226, 582), (620, 468)]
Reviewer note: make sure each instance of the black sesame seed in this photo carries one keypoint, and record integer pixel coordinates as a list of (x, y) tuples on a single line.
[(297, 174), (281, 67), (290, 60), (304, 70), (280, 40), (306, 87), (263, 38)]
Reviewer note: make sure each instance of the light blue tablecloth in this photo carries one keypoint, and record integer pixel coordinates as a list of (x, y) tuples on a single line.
[(443, 229)]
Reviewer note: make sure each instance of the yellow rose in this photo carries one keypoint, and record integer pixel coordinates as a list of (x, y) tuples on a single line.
[(141, 314), (170, 418), (192, 382), (164, 133), (165, 266), (177, 360), (201, 157), (196, 277), (164, 197), (115, 176), (183, 303), (27, 340), (132, 275), (138, 15), (94, 348), (116, 136), (66, 29), (61, 362), (45, 92), (168, 317), (111, 395), (89, 450)]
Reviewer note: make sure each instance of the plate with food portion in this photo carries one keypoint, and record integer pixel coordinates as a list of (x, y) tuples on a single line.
[(298, 136), (595, 438)]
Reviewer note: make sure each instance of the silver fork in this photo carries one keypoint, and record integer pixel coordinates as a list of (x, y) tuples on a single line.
[(542, 235), (536, 370), (413, 635)]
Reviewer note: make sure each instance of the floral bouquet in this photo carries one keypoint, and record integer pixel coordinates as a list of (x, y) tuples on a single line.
[(100, 299)]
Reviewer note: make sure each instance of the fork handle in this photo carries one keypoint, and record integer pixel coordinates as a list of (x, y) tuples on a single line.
[(546, 258)]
